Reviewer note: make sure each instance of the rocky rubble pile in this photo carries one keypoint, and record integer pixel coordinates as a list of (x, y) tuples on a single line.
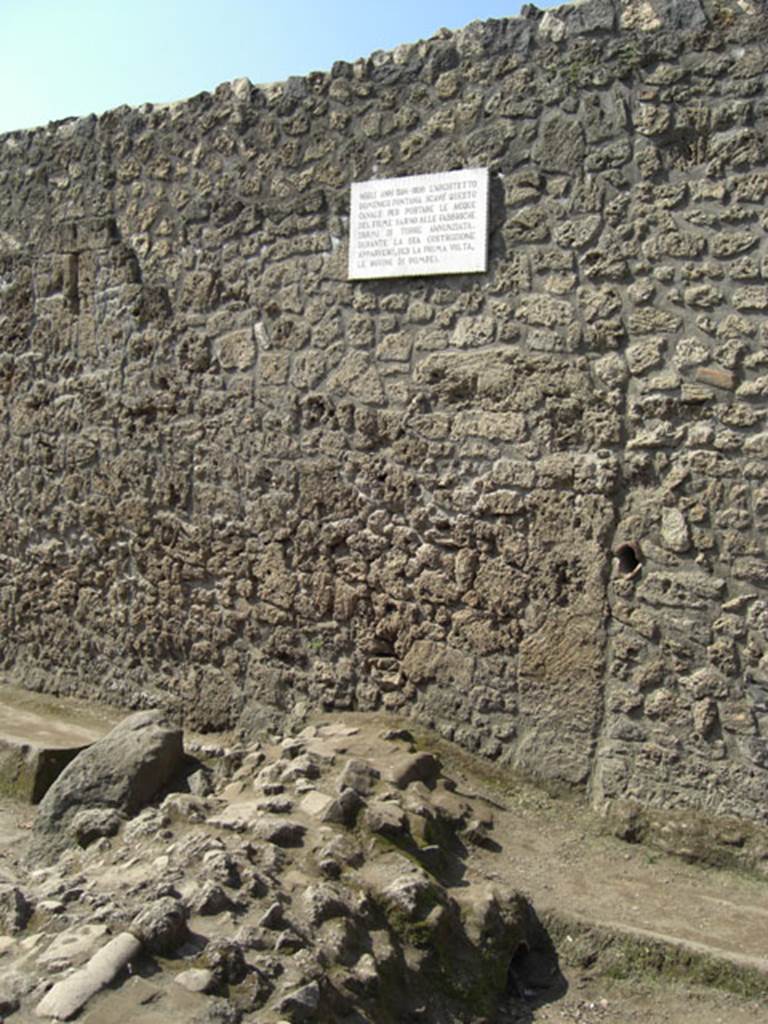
[(337, 875)]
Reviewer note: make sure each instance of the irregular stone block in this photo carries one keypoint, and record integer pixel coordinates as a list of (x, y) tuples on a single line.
[(236, 350), (674, 530), (301, 1003), (122, 771), (344, 809), (408, 768), (315, 804), (162, 926), (196, 979), (280, 831), (386, 818), (15, 909), (360, 776), (683, 589), (561, 145)]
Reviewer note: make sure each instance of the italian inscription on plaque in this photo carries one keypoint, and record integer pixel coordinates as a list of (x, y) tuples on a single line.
[(423, 224)]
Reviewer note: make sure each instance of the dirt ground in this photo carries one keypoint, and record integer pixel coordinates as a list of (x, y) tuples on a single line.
[(594, 1001)]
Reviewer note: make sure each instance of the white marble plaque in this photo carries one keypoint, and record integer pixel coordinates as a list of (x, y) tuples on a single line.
[(424, 224)]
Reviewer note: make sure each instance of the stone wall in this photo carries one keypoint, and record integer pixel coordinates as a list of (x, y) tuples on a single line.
[(234, 483)]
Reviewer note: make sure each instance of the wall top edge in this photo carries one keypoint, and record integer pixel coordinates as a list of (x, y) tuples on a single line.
[(531, 29)]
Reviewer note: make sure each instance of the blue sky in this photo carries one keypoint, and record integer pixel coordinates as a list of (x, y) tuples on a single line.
[(60, 58)]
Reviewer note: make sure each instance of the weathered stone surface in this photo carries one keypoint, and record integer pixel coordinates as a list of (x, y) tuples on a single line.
[(74, 945), (93, 823), (121, 772), (301, 1003), (162, 926), (360, 776), (414, 768), (68, 997), (280, 831), (196, 979), (674, 530), (344, 809), (15, 909), (240, 487)]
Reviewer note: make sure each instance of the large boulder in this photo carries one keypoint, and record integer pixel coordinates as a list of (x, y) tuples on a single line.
[(122, 771)]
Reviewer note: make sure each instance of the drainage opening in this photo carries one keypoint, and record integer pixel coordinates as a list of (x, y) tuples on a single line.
[(628, 559)]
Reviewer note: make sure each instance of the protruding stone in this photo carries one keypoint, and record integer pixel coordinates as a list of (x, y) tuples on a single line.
[(360, 776), (162, 926), (121, 772), (196, 979), (674, 530), (421, 767), (15, 909), (302, 1002)]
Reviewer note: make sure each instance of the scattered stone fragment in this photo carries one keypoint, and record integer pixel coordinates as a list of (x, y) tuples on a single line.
[(359, 776), (235, 817), (322, 903), (220, 866), (186, 806), (208, 899), (386, 818), (15, 909), (421, 767), (478, 832), (304, 766), (276, 805), (315, 804), (226, 960), (364, 978), (284, 832), (91, 824), (196, 979), (162, 926), (398, 734), (301, 1003), (273, 918), (68, 997), (344, 809)]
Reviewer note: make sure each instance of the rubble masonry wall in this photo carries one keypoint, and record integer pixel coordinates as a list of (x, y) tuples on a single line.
[(236, 484)]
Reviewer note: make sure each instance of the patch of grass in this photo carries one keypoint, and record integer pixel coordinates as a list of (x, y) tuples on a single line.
[(414, 933), (17, 780), (623, 957)]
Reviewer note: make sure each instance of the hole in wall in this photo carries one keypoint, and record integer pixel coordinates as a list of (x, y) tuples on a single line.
[(628, 559)]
